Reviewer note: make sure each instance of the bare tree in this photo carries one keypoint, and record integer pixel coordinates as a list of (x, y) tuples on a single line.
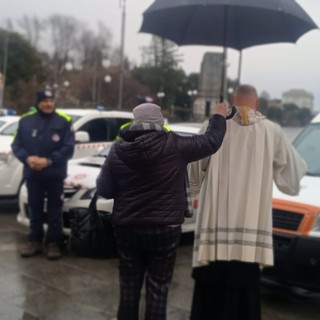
[(32, 28), (64, 31), (62, 39), (95, 46)]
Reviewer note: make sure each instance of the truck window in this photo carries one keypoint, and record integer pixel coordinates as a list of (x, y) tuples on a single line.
[(307, 144)]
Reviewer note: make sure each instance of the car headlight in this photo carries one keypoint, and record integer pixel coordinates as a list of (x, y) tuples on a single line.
[(88, 195), (4, 158), (315, 229)]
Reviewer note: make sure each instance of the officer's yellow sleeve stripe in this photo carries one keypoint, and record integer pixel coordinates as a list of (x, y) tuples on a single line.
[(64, 115), (30, 113), (167, 128), (126, 125)]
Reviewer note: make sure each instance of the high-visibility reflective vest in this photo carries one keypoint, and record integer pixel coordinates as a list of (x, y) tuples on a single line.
[(127, 125)]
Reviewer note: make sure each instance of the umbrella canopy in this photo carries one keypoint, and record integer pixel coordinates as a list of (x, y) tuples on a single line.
[(235, 24)]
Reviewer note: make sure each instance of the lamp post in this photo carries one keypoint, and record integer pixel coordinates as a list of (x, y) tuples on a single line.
[(160, 96), (63, 89), (107, 79), (123, 28), (192, 94), (230, 93), (106, 64)]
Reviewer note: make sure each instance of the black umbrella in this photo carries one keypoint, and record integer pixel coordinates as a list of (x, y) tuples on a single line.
[(237, 24)]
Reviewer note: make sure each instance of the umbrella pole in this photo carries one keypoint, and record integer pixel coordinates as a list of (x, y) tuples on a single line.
[(224, 55), (239, 68), (224, 66), (223, 73)]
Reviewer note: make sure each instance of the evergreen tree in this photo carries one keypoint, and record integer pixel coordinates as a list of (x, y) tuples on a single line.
[(160, 70)]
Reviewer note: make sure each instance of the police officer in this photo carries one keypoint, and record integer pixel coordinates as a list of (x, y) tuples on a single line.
[(44, 143)]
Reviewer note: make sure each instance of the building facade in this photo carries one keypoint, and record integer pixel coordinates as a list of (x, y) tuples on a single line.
[(300, 97), (209, 85)]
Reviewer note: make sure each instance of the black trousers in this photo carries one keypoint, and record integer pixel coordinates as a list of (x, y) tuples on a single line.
[(38, 190), (148, 252), (226, 290)]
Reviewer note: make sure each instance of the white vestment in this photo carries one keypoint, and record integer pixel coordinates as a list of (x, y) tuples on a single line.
[(234, 189)]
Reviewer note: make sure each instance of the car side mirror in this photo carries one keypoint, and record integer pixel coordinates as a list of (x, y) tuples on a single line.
[(82, 136)]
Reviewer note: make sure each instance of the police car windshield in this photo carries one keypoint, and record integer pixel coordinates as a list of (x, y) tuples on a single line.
[(308, 146), (2, 123), (10, 130)]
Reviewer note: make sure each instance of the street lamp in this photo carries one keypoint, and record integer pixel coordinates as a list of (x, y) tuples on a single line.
[(107, 79), (160, 96), (230, 93), (106, 63), (230, 90), (192, 94), (68, 66)]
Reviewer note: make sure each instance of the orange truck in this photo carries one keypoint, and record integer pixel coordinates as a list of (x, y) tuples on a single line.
[(296, 220)]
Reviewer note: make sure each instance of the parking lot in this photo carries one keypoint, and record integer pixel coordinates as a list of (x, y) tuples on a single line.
[(76, 288)]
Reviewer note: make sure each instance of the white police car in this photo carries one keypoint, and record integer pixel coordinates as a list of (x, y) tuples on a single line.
[(80, 184), (94, 130), (8, 125)]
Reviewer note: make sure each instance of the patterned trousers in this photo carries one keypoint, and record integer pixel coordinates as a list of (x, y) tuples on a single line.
[(145, 252)]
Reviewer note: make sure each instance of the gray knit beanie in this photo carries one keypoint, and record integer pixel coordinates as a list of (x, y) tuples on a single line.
[(148, 113)]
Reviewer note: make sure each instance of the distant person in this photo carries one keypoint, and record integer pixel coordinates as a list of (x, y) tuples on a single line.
[(44, 143), (233, 236), (145, 175)]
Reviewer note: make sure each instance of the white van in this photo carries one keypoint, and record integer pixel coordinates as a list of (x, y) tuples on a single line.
[(296, 220), (94, 130)]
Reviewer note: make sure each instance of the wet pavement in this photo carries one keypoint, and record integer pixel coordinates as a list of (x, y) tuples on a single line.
[(76, 288)]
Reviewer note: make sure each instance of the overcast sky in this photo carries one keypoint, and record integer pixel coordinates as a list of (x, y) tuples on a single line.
[(272, 68)]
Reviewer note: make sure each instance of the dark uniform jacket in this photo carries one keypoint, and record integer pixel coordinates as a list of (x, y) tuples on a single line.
[(45, 135), (145, 172)]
